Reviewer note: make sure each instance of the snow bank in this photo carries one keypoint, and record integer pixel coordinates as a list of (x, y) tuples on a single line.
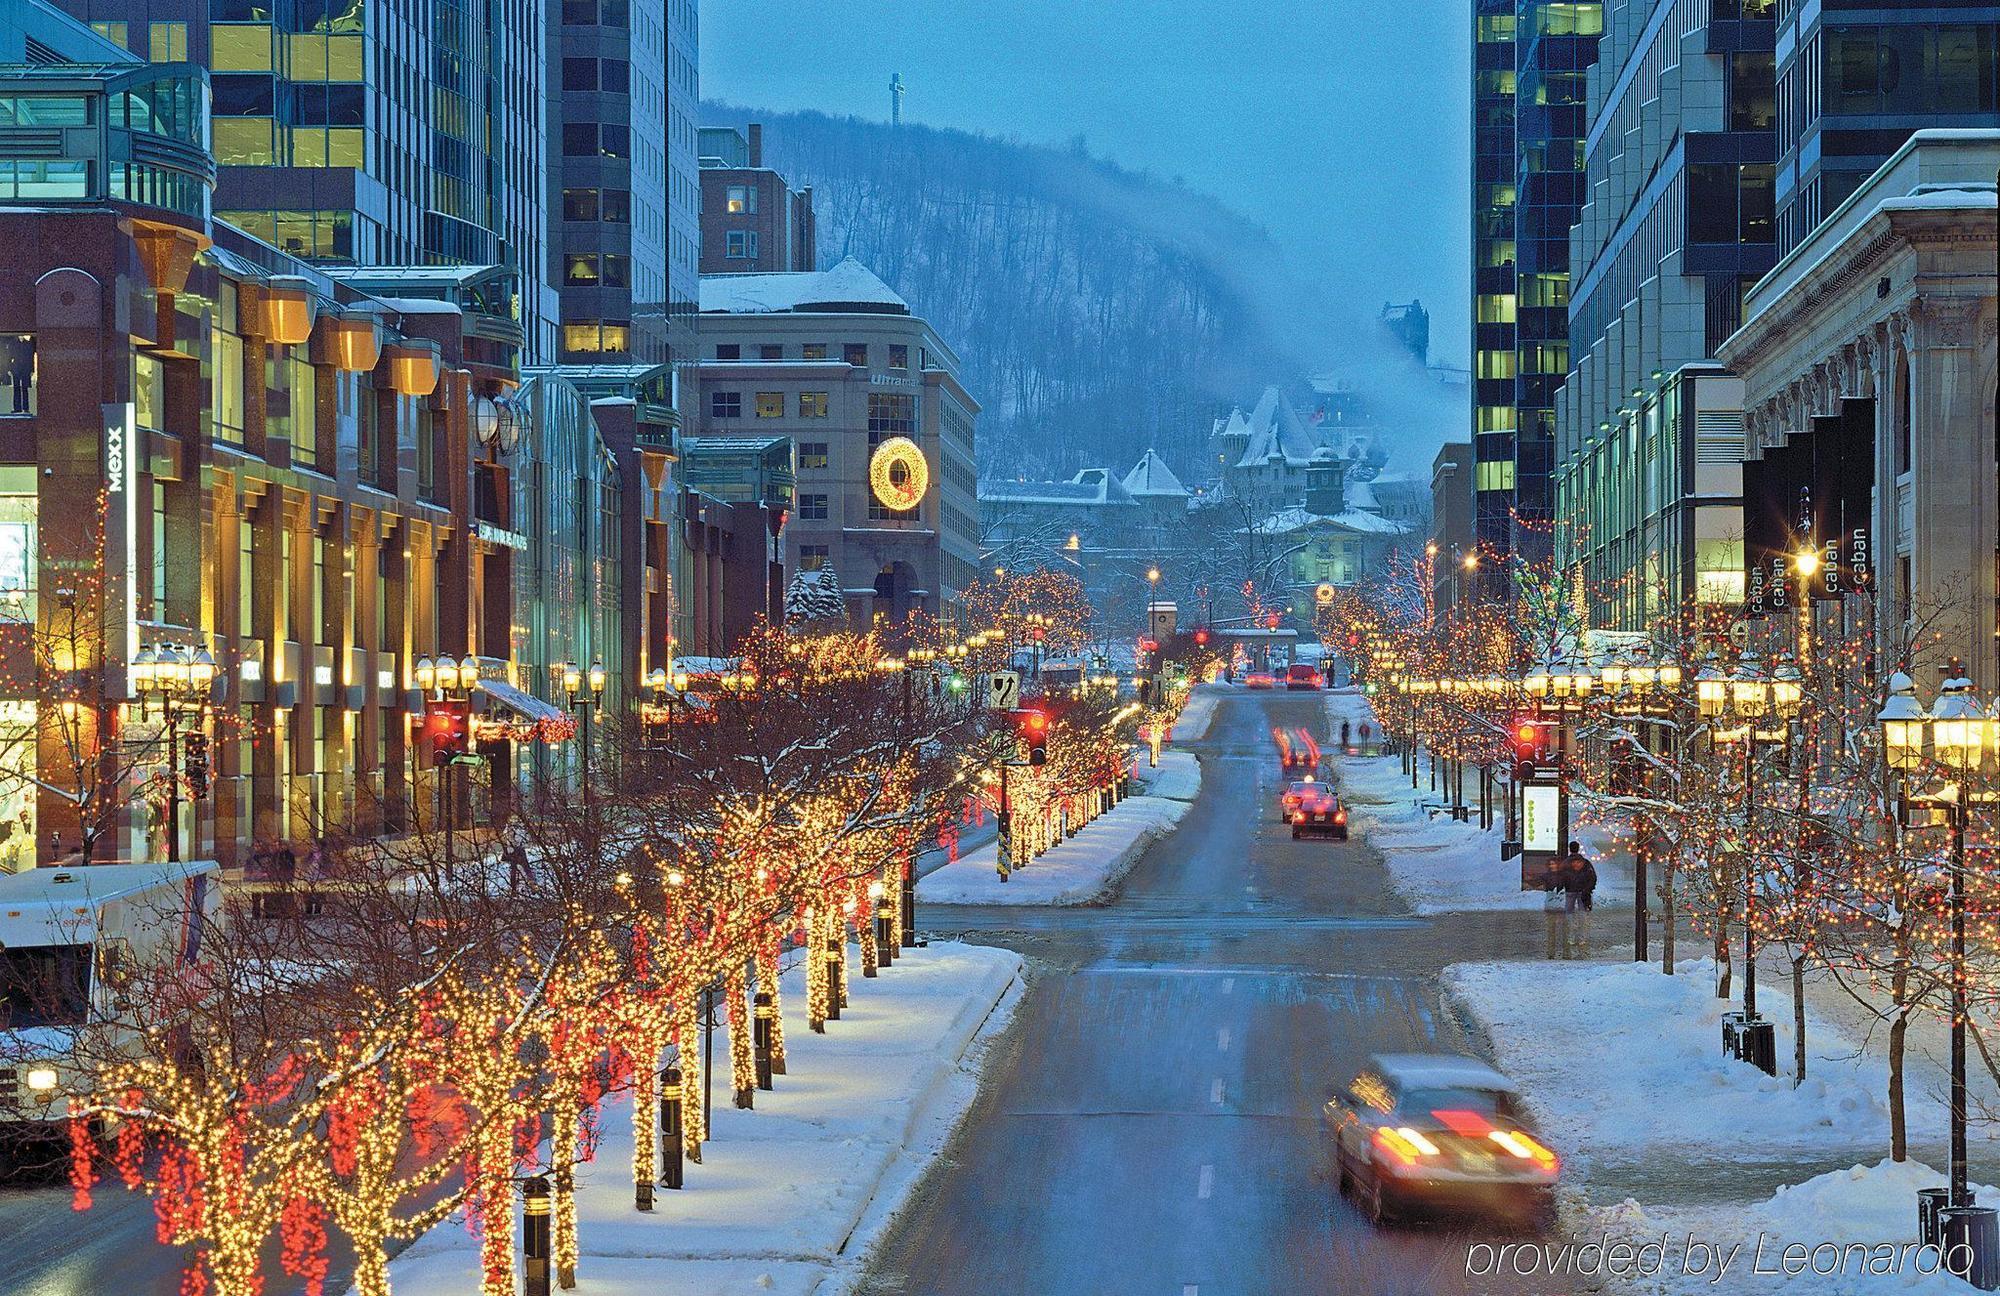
[(1192, 725), (1177, 777), (793, 1193), (1617, 1059), (1871, 1206), (1075, 872)]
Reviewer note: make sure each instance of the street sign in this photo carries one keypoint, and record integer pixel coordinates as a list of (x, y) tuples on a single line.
[(1003, 690)]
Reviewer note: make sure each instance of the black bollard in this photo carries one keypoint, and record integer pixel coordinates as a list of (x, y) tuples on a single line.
[(835, 997), (670, 1127), (910, 903), (760, 1036), (885, 940), (535, 1236)]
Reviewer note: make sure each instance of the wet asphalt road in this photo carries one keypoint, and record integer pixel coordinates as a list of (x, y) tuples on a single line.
[(1149, 1123)]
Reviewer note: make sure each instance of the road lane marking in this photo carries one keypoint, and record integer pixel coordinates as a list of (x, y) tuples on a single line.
[(1205, 1187), (1189, 1289), (1222, 1039), (1228, 984), (1215, 1091)]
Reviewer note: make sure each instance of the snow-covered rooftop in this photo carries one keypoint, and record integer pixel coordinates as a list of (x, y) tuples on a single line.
[(1277, 433), (1300, 519), (847, 285), (1151, 477)]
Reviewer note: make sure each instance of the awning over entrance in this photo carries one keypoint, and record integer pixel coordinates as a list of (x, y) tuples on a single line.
[(525, 705)]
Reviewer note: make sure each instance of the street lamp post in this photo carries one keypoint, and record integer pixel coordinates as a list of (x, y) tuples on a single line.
[(180, 679), (443, 678), (584, 690)]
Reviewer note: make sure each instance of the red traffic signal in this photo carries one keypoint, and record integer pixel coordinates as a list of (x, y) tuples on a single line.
[(448, 726), (1031, 727), (1201, 637)]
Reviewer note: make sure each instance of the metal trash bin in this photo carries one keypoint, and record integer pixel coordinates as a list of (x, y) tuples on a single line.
[(1977, 1229), (1758, 1042), (1931, 1201)]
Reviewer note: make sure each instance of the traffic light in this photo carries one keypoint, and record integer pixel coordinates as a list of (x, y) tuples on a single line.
[(195, 765), (448, 725), (1031, 728), (1201, 637), (1529, 748)]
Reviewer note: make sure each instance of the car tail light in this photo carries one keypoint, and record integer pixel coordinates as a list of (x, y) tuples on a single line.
[(1523, 1145), (1340, 816), (1405, 1144)]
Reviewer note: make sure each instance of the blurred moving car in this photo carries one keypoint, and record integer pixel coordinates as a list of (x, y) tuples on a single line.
[(1300, 675), (1318, 809), (1260, 679), (1438, 1130)]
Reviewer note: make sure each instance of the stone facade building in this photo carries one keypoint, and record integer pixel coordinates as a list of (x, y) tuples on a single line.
[(836, 361), (1875, 338), (752, 222)]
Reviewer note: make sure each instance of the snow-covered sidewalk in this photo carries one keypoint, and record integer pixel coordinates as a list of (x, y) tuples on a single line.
[(790, 1195), (1192, 725), (1622, 1069), (1440, 865), (1074, 872), (1177, 777)]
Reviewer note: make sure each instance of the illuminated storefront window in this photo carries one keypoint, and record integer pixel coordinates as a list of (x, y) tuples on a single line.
[(19, 511), (17, 786)]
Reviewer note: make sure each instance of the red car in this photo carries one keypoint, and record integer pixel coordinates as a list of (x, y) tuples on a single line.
[(1319, 810), (1258, 679), (1302, 676)]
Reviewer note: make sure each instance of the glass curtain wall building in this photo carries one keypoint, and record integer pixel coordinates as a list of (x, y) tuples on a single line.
[(1679, 223), (371, 132), (1855, 80), (625, 194), (1530, 62)]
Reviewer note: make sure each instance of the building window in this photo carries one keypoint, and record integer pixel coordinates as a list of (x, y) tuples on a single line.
[(812, 454), (813, 351), (168, 42), (728, 351), (579, 139), (228, 377), (579, 74), (891, 415), (899, 356), (617, 206), (19, 514), (770, 404), (812, 557), (115, 32), (740, 200), (812, 405), (855, 353), (770, 351), (580, 204), (736, 244), (580, 270), (17, 373), (812, 508), (617, 270), (725, 404)]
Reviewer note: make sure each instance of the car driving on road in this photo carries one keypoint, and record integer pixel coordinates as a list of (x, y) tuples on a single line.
[(1416, 1130), (1317, 808), (1302, 675), (1260, 679)]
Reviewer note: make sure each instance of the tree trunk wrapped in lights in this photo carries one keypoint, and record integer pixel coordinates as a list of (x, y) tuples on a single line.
[(864, 924), (742, 1058), (818, 975), (687, 1037)]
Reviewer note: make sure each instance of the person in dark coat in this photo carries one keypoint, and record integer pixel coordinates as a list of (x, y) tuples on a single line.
[(1555, 916), (1579, 878)]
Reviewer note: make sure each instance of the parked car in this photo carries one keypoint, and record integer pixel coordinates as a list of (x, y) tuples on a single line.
[(1318, 809), (1260, 679), (1300, 675), (1417, 1130)]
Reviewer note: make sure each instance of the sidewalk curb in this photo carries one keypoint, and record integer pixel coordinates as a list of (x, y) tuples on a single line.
[(934, 1120)]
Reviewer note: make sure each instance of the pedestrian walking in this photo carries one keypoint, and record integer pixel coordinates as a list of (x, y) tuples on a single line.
[(1579, 877), (1344, 732), (1366, 733), (1555, 916)]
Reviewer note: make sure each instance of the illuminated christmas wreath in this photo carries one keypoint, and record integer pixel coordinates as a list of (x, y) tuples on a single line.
[(898, 474)]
